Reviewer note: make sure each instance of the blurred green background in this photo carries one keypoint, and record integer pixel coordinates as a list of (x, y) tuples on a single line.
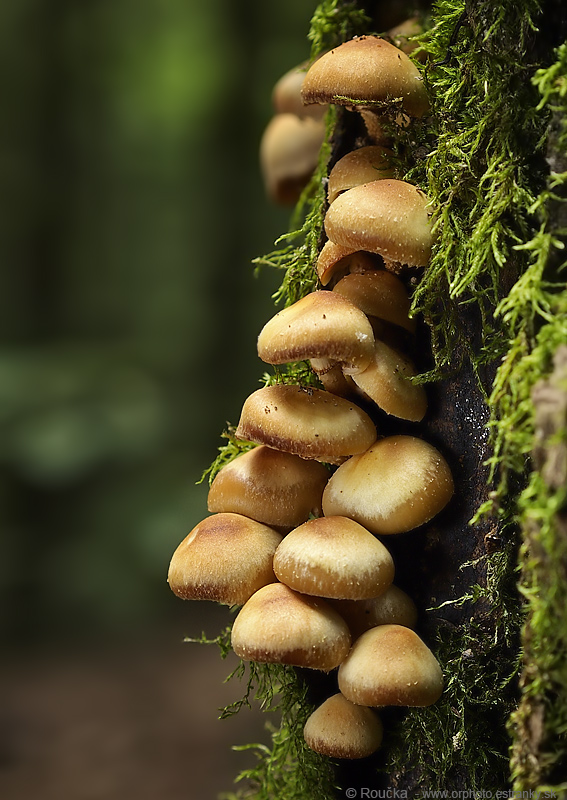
[(132, 206)]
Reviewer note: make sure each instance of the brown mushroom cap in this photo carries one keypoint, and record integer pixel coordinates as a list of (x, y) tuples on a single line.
[(378, 293), (403, 35), (393, 606), (366, 164), (388, 217), (366, 69), (286, 95), (391, 666), (269, 486), (225, 558), (320, 325), (341, 729), (398, 484), (386, 382), (334, 557), (278, 625), (334, 260), (332, 377), (289, 152), (311, 423)]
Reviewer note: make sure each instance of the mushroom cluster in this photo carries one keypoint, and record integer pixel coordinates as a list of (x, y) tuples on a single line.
[(294, 535)]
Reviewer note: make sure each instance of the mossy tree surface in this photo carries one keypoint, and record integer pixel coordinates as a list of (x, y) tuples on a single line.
[(493, 158)]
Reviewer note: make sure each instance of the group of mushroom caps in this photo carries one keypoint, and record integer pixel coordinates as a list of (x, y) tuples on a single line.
[(291, 541)]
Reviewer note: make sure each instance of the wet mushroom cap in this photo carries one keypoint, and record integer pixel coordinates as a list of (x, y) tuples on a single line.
[(393, 606), (311, 423), (334, 557), (278, 625), (225, 558), (378, 293), (321, 325), (388, 217), (341, 729), (366, 164), (387, 382), (270, 486), (398, 484), (369, 69), (391, 666)]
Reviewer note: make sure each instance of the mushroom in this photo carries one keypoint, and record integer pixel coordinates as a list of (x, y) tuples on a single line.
[(225, 558), (332, 377), (391, 666), (388, 217), (403, 35), (275, 488), (334, 557), (359, 166), (311, 423), (289, 153), (393, 606), (378, 293), (387, 382), (336, 260), (398, 484), (286, 95), (278, 625), (341, 729), (320, 325)]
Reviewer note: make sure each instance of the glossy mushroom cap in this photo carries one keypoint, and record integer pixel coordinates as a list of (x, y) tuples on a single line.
[(225, 558), (388, 217), (391, 666), (366, 164), (289, 153), (335, 261), (393, 606), (311, 423), (334, 557), (269, 486), (398, 484), (341, 729), (386, 382), (286, 95), (320, 325), (378, 293), (366, 69), (278, 625)]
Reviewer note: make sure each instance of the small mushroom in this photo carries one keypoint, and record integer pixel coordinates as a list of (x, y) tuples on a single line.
[(286, 95), (378, 293), (387, 217), (275, 488), (341, 729), (311, 423), (320, 325), (387, 382), (278, 625), (366, 164), (391, 666), (334, 557), (332, 377), (335, 260), (398, 484), (393, 606), (225, 558), (403, 35), (289, 153)]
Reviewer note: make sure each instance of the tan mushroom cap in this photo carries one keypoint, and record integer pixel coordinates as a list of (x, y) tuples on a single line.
[(332, 377), (393, 606), (278, 625), (398, 484), (289, 153), (403, 35), (366, 69), (225, 558), (321, 325), (386, 382), (286, 95), (388, 217), (269, 486), (378, 293), (334, 557), (366, 164), (334, 260), (391, 666), (341, 729), (311, 423)]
